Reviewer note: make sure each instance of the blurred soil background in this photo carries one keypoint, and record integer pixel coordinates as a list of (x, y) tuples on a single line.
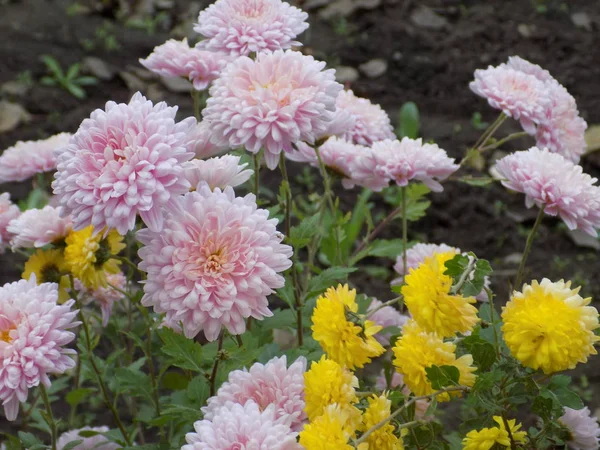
[(390, 51)]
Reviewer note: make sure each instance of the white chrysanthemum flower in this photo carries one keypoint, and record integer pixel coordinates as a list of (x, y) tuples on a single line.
[(583, 428)]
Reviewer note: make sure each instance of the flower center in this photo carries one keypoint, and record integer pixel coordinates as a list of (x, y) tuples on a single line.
[(214, 262), (5, 328), (50, 273), (103, 253)]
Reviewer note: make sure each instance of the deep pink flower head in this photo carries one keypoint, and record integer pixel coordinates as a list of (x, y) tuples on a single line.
[(517, 94), (178, 59), (214, 263), (385, 317), (25, 159), (241, 27), (247, 426), (371, 122), (105, 297), (272, 102), (38, 227), (97, 442), (33, 333), (122, 161), (397, 380), (8, 212), (549, 179), (267, 384), (583, 428), (218, 172), (199, 141)]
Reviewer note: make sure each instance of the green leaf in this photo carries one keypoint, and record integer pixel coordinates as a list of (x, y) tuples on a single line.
[(477, 280), (476, 181), (327, 278), (77, 396), (73, 71), (456, 266), (286, 293), (86, 81), (198, 390), (285, 318), (359, 214), (185, 353), (543, 407), (301, 235), (387, 248), (52, 65), (76, 91), (409, 121), (175, 381), (559, 391), (48, 81), (484, 354), (134, 382), (442, 376), (29, 440)]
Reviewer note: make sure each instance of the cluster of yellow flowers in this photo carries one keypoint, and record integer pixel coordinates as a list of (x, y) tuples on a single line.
[(486, 438)]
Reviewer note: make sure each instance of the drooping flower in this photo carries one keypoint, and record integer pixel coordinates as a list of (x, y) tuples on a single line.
[(549, 326), (8, 212), (236, 426), (218, 172), (214, 263), (199, 141), (327, 383), (33, 334), (241, 27), (345, 337), (104, 296), (272, 102), (122, 161), (421, 406), (417, 350), (39, 227), (583, 429), (96, 442), (49, 266), (551, 180), (25, 159), (385, 317), (91, 256), (267, 384), (429, 300), (332, 429), (383, 438)]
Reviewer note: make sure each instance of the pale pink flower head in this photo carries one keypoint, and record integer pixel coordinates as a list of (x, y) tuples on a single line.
[(549, 179), (583, 428), (106, 296), (416, 255), (199, 141), (272, 102), (39, 227), (385, 317), (96, 442), (218, 172), (522, 65), (214, 263), (397, 380), (517, 94), (122, 161), (371, 122), (33, 333), (25, 159), (267, 384), (8, 212), (241, 27)]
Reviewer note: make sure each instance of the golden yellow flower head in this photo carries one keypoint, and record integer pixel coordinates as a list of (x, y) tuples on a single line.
[(427, 297), (349, 342), (90, 256), (417, 350), (549, 326), (326, 383), (519, 437), (332, 429), (486, 438), (49, 266), (382, 439)]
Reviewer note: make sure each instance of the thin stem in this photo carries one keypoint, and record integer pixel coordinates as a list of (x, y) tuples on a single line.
[(77, 380), (404, 230), (513, 444), (256, 164), (502, 141), (490, 295), (463, 278), (490, 131), (52, 423), (383, 305), (152, 371), (215, 369), (376, 231), (329, 196), (129, 263), (528, 246), (197, 96)]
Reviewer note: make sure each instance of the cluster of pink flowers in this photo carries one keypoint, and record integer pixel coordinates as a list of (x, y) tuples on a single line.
[(218, 172), (95, 442), (8, 212), (38, 227)]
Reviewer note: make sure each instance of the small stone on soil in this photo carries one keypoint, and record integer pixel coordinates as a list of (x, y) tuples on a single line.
[(582, 20), (15, 88), (11, 115), (425, 17), (374, 68), (99, 68), (346, 74)]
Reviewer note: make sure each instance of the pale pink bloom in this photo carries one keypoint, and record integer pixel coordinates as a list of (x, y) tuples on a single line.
[(267, 384), (214, 263), (247, 426), (38, 227), (583, 428), (385, 317), (549, 179), (8, 212), (178, 59), (25, 159), (371, 122), (522, 65), (105, 297), (517, 94), (241, 27), (272, 102), (367, 172), (199, 141), (33, 333), (397, 380), (97, 442), (218, 172), (122, 161)]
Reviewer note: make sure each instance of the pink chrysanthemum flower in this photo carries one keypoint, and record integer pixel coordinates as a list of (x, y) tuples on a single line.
[(583, 429), (385, 317), (549, 179), (8, 212), (214, 263), (522, 65), (178, 59), (241, 27), (397, 380), (371, 122), (272, 102), (517, 94), (199, 141), (123, 161), (247, 426), (106, 296), (25, 159), (33, 333), (267, 384), (97, 442), (38, 227), (217, 172)]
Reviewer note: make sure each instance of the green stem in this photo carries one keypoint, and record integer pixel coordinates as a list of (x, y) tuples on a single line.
[(488, 133), (513, 444), (490, 295), (404, 231), (215, 368), (508, 138), (383, 305), (375, 232), (464, 277), (77, 380), (197, 96), (52, 423), (256, 164), (528, 246)]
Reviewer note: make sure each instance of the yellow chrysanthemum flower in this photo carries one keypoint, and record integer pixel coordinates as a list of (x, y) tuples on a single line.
[(332, 429), (49, 266), (427, 297), (417, 350), (485, 439), (549, 326), (519, 437), (349, 343), (379, 409), (90, 256), (327, 383)]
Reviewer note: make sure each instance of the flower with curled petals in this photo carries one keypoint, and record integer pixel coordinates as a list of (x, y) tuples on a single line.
[(218, 172), (214, 263), (522, 65), (39, 227), (95, 442), (200, 141), (583, 429), (8, 212), (332, 429), (371, 123)]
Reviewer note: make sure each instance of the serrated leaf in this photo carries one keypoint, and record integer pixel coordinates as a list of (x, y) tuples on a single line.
[(134, 382), (28, 440), (327, 278), (442, 376), (456, 266), (484, 354), (198, 390), (301, 235), (76, 396), (184, 352), (285, 318)]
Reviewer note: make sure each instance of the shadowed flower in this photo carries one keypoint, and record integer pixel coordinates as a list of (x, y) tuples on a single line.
[(49, 266), (583, 429), (8, 212), (96, 442), (218, 172), (39, 227)]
